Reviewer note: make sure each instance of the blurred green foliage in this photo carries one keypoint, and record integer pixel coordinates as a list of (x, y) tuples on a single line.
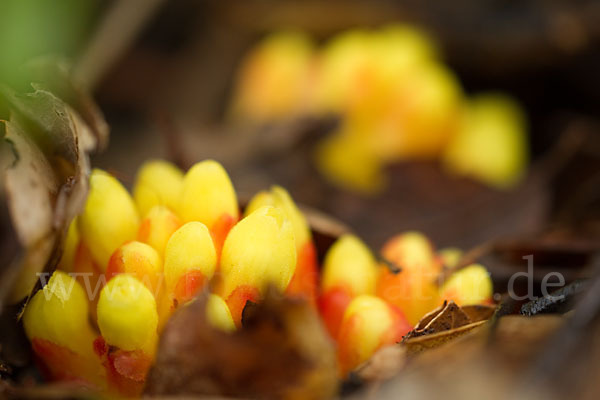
[(32, 28)]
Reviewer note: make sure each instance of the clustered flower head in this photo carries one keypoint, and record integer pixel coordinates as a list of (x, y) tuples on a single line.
[(397, 99), (367, 304), (130, 261)]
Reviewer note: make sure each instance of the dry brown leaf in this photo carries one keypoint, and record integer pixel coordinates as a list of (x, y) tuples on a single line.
[(445, 323), (446, 317), (281, 352), (421, 343), (45, 180), (479, 312)]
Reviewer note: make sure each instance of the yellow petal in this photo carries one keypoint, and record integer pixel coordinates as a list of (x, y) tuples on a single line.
[(127, 315), (109, 218), (218, 314), (491, 144), (279, 197), (189, 249), (207, 194), (351, 265), (412, 251), (260, 250), (140, 260), (273, 80), (467, 286), (369, 323), (157, 227), (59, 313), (158, 183)]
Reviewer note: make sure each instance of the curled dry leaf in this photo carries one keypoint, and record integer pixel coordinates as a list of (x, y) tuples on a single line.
[(281, 352), (447, 322), (45, 180)]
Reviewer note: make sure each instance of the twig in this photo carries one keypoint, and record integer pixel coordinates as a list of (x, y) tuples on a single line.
[(119, 28)]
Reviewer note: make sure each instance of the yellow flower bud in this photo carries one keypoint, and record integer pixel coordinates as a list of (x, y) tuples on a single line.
[(279, 197), (422, 115), (369, 323), (412, 251), (304, 282), (348, 162), (157, 227), (349, 264), (109, 218), (127, 315), (346, 70), (190, 261), (67, 259), (468, 286), (140, 260), (400, 48), (207, 194), (450, 256), (158, 183), (274, 77), (261, 199), (260, 250), (56, 322), (218, 314), (491, 144), (59, 313), (412, 291)]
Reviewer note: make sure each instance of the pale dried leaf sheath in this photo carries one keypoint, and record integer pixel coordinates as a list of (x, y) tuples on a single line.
[(31, 187), (46, 183)]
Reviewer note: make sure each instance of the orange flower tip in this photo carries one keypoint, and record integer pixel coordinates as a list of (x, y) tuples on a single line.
[(259, 251), (157, 227), (127, 371), (100, 346), (218, 314), (190, 260), (332, 305), (238, 299), (349, 263), (127, 315), (369, 323), (188, 286), (468, 286), (109, 218), (304, 283), (139, 260), (412, 250), (59, 363), (220, 230), (158, 182), (207, 194)]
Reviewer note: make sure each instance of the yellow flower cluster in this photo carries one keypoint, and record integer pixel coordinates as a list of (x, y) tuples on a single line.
[(99, 317), (141, 257), (366, 305), (397, 100)]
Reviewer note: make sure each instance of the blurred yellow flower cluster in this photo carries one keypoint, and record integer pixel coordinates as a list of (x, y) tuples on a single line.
[(397, 101)]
